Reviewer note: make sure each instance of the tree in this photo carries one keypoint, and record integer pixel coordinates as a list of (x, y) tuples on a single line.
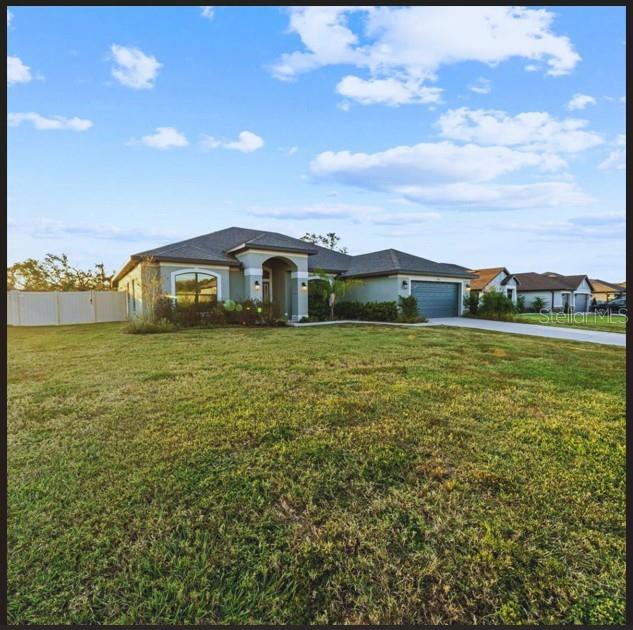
[(55, 273), (330, 240), (332, 287)]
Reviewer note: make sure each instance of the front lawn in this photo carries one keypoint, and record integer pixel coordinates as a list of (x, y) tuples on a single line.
[(321, 475), (590, 321)]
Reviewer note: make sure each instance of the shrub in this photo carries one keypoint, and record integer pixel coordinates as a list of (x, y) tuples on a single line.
[(538, 304), (164, 308), (318, 308), (145, 326), (520, 305), (408, 310), (246, 313), (190, 315), (496, 305), (471, 302), (369, 311)]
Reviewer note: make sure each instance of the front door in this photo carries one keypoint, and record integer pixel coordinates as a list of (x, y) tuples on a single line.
[(266, 291)]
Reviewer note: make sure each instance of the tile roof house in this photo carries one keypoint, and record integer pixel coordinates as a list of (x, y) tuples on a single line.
[(557, 291), (494, 278), (240, 263)]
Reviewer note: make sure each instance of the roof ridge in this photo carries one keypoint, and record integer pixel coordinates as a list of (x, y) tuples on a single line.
[(394, 258)]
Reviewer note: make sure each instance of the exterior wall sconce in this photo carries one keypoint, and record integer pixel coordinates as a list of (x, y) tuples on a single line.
[(405, 284), (304, 286), (257, 285)]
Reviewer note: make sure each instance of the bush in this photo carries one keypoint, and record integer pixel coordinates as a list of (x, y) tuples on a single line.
[(408, 310), (318, 307), (145, 326), (163, 309), (538, 304), (520, 305), (246, 313), (496, 305), (368, 311), (471, 302)]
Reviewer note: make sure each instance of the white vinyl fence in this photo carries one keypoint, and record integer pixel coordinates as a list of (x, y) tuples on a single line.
[(46, 308)]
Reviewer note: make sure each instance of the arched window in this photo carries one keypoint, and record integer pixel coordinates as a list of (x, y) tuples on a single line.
[(196, 288)]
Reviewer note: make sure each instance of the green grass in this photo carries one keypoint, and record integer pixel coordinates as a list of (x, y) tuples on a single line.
[(590, 321), (322, 475)]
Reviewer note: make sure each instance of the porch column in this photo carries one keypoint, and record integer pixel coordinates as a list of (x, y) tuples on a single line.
[(253, 275), (299, 294)]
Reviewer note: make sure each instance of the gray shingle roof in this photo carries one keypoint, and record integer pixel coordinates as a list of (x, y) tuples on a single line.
[(221, 246), (329, 260), (214, 246), (395, 261)]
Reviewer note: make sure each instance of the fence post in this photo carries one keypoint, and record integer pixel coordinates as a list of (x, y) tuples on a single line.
[(93, 301), (58, 316), (18, 308)]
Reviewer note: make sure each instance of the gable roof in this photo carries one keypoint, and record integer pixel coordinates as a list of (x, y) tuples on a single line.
[(575, 281), (548, 281), (485, 276), (220, 248)]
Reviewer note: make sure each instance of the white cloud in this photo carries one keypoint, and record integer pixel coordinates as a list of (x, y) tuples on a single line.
[(9, 16), (610, 227), (481, 86), (292, 150), (450, 175), (17, 71), (209, 142), (388, 91), (134, 68), (54, 123), (580, 101), (497, 196), (427, 163), (45, 228), (207, 12), (356, 213), (246, 142), (164, 138), (402, 48), (529, 130), (616, 159)]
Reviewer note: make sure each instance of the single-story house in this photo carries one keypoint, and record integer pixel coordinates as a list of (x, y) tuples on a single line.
[(239, 263), (556, 291), (604, 291), (494, 279)]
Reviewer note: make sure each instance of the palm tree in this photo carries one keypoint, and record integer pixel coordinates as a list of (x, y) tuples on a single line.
[(332, 288)]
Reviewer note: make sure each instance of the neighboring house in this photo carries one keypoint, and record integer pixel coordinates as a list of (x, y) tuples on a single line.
[(240, 263), (556, 291), (494, 279), (604, 291)]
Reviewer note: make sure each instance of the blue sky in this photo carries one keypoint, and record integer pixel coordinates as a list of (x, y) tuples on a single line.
[(481, 136)]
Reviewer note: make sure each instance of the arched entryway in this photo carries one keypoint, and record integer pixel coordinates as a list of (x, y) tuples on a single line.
[(277, 283)]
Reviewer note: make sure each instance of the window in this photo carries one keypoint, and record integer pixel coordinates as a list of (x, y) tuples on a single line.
[(510, 293), (196, 288)]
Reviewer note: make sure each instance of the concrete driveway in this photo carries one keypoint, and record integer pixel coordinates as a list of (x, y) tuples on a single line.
[(553, 332)]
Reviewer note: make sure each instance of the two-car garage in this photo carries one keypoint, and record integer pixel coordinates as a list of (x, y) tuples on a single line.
[(436, 299)]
